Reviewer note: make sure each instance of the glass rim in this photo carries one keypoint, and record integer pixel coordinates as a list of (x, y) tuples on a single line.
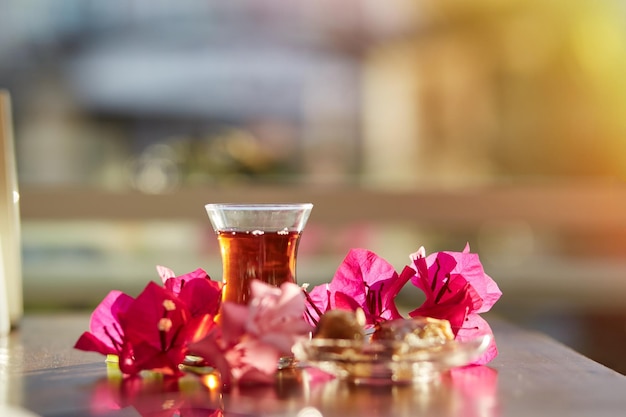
[(258, 206)]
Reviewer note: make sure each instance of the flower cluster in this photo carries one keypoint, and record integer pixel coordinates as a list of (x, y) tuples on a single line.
[(165, 324), (184, 317), (247, 346), (455, 285)]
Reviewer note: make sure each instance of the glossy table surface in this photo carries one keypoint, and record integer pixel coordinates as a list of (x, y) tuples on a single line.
[(41, 374)]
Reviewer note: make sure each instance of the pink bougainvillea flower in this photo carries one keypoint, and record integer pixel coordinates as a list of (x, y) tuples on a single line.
[(457, 289), (201, 294), (158, 327), (363, 280), (254, 336), (447, 297), (274, 316), (244, 358), (150, 332)]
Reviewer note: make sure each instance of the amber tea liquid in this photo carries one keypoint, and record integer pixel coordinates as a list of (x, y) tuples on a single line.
[(267, 256)]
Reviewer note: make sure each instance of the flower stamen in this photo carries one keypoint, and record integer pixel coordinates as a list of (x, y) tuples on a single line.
[(164, 324), (174, 337), (445, 287), (434, 283), (312, 304), (116, 344), (374, 299)]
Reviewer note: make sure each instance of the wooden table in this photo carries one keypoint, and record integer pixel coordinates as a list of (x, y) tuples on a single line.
[(533, 376)]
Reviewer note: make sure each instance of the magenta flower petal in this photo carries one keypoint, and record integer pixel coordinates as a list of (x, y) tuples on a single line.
[(157, 328), (201, 294), (469, 266), (317, 303), (453, 308), (141, 319), (473, 327), (90, 343), (448, 296), (343, 301), (363, 280), (176, 283), (433, 273), (146, 356), (106, 335)]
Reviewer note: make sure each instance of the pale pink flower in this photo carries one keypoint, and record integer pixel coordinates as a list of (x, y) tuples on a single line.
[(254, 336)]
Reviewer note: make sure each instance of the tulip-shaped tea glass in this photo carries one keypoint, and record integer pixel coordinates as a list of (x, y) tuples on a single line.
[(257, 241)]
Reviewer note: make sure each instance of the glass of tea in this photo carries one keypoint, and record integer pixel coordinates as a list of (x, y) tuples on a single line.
[(257, 241)]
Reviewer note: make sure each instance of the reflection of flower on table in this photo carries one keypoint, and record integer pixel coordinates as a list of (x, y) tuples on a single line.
[(166, 325), (476, 390), (282, 398), (469, 391), (154, 395)]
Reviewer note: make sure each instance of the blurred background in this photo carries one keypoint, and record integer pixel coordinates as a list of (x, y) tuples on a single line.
[(407, 123)]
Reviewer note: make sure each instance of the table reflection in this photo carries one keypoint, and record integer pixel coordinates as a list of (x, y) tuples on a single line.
[(476, 389), (154, 395), (470, 391)]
